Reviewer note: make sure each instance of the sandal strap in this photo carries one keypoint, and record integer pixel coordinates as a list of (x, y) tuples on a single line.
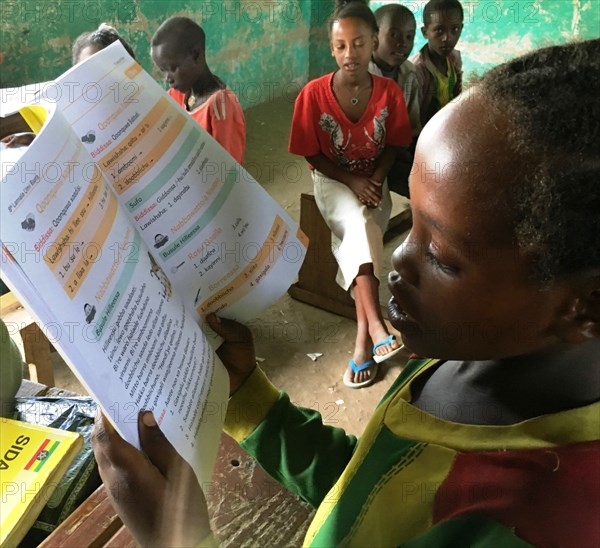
[(362, 366)]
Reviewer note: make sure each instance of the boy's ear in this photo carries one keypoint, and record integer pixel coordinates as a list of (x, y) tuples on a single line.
[(196, 54), (581, 320), (375, 42), (424, 31)]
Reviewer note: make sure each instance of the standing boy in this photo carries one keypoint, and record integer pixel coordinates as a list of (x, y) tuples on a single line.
[(178, 50), (439, 65)]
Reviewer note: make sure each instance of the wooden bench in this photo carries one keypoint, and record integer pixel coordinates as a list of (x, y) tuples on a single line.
[(316, 280), (247, 508)]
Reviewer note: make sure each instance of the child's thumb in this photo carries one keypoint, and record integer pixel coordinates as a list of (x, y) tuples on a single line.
[(230, 330), (154, 443)]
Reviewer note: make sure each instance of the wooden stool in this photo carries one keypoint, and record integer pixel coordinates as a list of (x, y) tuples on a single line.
[(316, 280)]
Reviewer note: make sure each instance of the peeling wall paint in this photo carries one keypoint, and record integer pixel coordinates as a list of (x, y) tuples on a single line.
[(267, 48), (259, 48), (497, 30)]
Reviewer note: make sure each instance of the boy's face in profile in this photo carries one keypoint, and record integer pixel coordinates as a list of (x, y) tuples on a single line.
[(181, 70), (443, 31), (460, 288), (396, 40)]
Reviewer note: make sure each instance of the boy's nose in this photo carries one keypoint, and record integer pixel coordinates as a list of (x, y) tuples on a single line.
[(404, 263)]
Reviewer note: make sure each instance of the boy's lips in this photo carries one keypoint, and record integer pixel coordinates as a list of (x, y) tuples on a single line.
[(351, 66), (399, 317)]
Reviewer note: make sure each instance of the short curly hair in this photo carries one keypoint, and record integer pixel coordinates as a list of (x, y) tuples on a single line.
[(435, 6), (550, 98), (392, 10), (186, 34)]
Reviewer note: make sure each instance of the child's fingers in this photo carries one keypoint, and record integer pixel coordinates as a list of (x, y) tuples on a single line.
[(230, 330), (156, 446)]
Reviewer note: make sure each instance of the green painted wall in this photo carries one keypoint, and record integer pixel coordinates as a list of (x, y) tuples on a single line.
[(496, 30), (320, 60), (266, 48), (260, 48)]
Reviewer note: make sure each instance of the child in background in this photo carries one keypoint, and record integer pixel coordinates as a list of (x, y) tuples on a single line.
[(497, 442), (84, 46), (88, 43), (178, 50), (349, 125), (439, 65), (397, 28)]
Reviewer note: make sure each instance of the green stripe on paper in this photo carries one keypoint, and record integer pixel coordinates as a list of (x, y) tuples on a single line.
[(205, 217), (130, 264), (165, 177)]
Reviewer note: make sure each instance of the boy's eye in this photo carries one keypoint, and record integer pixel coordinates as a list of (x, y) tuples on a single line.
[(446, 269)]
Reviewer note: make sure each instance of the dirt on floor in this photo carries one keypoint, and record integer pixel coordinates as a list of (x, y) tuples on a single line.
[(290, 330)]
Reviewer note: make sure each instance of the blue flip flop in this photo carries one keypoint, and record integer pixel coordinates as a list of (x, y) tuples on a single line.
[(382, 358), (356, 369)]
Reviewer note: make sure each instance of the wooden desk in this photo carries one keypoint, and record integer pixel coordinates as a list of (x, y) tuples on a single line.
[(247, 507)]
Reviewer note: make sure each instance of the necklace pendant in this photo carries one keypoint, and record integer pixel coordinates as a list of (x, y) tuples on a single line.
[(191, 100), (354, 101)]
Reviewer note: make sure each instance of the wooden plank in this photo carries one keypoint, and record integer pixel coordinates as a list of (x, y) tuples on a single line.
[(9, 303), (13, 123), (324, 302), (37, 352), (247, 508), (121, 539), (316, 280), (92, 525), (30, 388)]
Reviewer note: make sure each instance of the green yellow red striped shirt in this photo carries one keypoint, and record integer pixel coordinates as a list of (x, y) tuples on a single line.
[(417, 480)]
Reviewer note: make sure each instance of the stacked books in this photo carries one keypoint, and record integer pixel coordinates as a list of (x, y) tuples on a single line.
[(33, 460)]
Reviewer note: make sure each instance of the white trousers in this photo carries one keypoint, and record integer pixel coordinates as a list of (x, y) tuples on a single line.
[(356, 230)]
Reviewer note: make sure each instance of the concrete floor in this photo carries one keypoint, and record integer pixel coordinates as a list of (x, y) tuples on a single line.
[(289, 330)]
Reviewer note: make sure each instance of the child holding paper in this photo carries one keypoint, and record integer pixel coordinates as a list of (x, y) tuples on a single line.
[(496, 441)]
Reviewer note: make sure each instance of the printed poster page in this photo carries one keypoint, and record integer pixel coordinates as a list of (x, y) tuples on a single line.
[(74, 259), (224, 243)]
